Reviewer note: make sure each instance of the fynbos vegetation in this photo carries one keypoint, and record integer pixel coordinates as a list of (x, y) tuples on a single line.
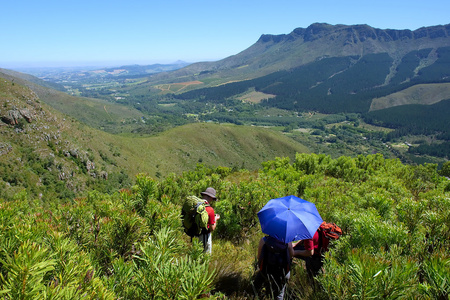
[(130, 244)]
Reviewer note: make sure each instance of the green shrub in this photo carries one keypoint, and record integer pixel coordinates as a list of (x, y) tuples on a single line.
[(368, 276), (165, 272), (436, 271), (129, 244)]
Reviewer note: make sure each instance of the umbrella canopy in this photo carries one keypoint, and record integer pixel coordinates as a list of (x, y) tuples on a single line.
[(289, 219)]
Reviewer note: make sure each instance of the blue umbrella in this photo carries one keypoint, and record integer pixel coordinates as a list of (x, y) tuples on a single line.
[(289, 219)]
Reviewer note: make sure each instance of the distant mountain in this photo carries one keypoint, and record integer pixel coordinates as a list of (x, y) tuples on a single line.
[(326, 68), (340, 84), (272, 53), (137, 70)]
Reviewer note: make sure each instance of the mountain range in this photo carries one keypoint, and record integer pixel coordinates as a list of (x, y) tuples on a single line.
[(384, 76), (272, 53)]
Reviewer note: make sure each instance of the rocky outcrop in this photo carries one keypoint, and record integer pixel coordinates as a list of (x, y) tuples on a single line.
[(26, 114), (13, 116)]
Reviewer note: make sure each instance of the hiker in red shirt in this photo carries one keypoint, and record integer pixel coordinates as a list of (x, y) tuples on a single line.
[(311, 250), (209, 195)]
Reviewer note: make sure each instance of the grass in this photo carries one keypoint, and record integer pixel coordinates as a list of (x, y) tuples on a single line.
[(182, 148), (255, 97), (177, 87), (236, 266), (418, 94)]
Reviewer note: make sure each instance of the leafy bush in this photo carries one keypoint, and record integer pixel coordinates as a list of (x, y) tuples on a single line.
[(130, 244)]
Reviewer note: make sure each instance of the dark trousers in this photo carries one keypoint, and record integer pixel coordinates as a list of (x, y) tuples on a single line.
[(314, 265)]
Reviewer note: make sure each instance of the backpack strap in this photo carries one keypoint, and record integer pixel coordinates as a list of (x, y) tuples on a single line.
[(321, 236)]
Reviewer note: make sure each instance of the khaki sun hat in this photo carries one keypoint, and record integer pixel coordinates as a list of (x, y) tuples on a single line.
[(210, 192)]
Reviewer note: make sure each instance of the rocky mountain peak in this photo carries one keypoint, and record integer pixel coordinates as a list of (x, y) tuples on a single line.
[(361, 32)]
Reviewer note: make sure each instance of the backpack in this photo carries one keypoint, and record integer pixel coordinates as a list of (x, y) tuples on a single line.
[(327, 232), (275, 259), (194, 215)]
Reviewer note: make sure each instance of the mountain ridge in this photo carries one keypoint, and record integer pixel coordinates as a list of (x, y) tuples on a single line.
[(305, 45)]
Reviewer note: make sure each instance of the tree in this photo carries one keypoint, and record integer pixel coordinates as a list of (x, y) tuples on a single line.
[(445, 171)]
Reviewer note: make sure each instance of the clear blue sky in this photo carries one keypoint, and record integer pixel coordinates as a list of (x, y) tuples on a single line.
[(113, 32)]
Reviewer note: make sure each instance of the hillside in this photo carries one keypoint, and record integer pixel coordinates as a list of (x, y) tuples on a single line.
[(95, 112), (46, 151), (324, 68), (339, 84), (340, 74)]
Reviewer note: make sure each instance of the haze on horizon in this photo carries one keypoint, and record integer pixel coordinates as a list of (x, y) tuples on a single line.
[(113, 33)]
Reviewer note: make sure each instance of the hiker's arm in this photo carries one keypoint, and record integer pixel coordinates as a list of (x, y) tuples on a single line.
[(291, 250), (304, 253), (296, 243), (260, 246), (306, 250), (212, 227)]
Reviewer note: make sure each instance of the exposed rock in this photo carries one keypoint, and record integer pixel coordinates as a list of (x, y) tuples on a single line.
[(90, 165), (11, 117), (63, 176), (26, 115), (361, 31), (74, 153)]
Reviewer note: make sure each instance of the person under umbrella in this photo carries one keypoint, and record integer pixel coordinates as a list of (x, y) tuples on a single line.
[(284, 220)]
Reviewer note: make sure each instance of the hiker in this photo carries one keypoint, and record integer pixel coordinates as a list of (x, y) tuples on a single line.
[(309, 251), (312, 250), (205, 237), (274, 262)]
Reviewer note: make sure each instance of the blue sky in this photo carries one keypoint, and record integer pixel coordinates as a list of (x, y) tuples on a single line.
[(104, 33)]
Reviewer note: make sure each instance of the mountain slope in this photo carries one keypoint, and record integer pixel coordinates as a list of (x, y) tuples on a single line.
[(339, 84), (182, 148), (97, 113), (272, 53), (46, 152)]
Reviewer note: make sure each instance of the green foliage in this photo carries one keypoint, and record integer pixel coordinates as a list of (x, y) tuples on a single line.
[(414, 119), (445, 170), (26, 271), (130, 244), (437, 274), (365, 276), (164, 274), (144, 189)]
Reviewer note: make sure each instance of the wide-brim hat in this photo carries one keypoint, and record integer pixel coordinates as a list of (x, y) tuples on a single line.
[(210, 192)]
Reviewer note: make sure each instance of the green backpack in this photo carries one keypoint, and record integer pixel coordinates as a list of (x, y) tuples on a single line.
[(194, 215)]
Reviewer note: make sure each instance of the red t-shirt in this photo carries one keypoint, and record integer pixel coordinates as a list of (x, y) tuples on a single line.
[(211, 215), (313, 243)]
